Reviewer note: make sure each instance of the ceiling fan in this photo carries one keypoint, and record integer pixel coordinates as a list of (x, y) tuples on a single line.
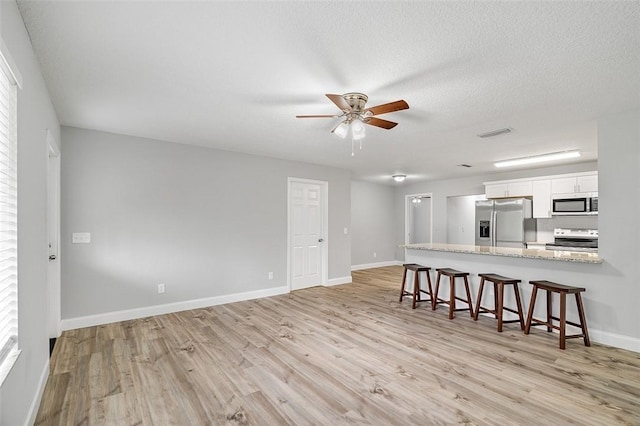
[(354, 112)]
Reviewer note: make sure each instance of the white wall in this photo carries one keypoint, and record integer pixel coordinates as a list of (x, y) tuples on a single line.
[(372, 223), (206, 223), (35, 115), (619, 195), (461, 215)]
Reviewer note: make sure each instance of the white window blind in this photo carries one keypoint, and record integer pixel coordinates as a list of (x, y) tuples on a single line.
[(8, 223)]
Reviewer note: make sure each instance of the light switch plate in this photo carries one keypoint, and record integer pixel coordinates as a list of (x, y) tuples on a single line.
[(81, 238)]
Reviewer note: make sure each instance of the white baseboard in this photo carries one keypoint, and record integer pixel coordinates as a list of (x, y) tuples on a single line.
[(616, 340), (375, 265), (338, 281), (147, 311), (35, 404)]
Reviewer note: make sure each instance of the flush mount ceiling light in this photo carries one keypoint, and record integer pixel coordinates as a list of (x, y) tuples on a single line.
[(399, 178), (554, 156), (416, 200)]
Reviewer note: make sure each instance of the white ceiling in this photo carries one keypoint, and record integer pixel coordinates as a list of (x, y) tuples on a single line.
[(233, 75)]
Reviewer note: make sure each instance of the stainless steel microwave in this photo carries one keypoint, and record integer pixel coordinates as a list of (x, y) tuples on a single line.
[(574, 204)]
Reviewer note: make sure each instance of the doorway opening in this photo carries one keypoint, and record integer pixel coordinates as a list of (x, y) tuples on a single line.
[(418, 218)]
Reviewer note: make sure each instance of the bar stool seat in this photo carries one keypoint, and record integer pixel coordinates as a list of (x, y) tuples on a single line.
[(562, 290), (416, 293), (498, 292), (453, 274)]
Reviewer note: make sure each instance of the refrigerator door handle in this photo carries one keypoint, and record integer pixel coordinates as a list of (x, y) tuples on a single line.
[(494, 221)]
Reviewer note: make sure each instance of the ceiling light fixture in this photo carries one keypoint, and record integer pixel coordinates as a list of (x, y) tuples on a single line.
[(399, 178), (416, 200), (554, 156)]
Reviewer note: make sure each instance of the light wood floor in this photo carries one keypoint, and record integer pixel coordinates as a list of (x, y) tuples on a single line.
[(348, 354)]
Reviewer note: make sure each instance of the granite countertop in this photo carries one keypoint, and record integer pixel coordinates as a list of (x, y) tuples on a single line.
[(564, 256)]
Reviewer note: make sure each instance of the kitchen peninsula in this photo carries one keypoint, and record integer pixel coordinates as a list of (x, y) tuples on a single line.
[(578, 269)]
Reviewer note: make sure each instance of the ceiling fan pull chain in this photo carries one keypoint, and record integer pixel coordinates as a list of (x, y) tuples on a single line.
[(360, 144), (352, 153)]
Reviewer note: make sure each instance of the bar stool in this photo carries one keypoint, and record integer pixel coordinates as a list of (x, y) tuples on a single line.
[(562, 290), (498, 292), (416, 283), (452, 274)]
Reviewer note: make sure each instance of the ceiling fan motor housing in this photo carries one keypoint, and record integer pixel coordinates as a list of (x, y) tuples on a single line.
[(355, 100)]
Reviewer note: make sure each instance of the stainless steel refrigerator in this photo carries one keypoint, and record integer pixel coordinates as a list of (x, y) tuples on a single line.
[(504, 223)]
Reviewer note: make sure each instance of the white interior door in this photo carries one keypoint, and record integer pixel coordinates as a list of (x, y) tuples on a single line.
[(53, 231), (307, 233)]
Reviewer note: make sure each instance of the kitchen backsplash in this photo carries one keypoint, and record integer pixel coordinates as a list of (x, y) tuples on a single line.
[(546, 226)]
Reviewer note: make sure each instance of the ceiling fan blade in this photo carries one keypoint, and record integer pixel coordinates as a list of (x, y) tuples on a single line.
[(385, 108), (340, 102), (316, 116), (378, 122)]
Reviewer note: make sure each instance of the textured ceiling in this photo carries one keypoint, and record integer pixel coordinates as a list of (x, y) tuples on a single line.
[(233, 75)]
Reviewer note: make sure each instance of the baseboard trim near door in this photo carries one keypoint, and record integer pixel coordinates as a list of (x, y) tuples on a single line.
[(375, 265), (35, 404), (338, 281), (147, 311)]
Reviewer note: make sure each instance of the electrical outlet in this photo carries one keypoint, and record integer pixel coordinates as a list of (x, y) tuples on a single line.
[(375, 254), (270, 276), (160, 288), (81, 238)]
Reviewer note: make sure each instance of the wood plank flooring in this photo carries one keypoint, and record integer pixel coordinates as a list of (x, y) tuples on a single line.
[(349, 354)]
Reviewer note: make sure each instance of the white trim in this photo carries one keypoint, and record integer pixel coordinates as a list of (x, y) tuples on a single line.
[(375, 265), (325, 225), (147, 311), (615, 340), (37, 398), (53, 229), (338, 281), (8, 64)]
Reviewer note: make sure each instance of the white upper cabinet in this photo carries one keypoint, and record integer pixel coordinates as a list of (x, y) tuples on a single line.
[(511, 189), (570, 185), (542, 198)]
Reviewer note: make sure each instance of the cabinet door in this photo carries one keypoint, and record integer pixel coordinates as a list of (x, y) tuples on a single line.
[(541, 198), (588, 183), (563, 185), (498, 190), (520, 189)]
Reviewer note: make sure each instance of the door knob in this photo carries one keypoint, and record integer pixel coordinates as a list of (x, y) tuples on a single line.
[(320, 240)]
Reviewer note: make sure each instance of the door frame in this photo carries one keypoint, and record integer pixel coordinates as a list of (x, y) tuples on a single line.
[(324, 186), (408, 216), (53, 229)]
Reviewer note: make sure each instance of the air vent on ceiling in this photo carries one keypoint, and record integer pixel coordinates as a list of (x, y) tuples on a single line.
[(495, 133)]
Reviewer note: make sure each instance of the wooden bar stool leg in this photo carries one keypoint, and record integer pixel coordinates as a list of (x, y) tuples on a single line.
[(435, 302), (468, 291), (495, 300), (583, 320), (475, 316), (563, 320), (404, 279), (416, 288), (430, 289), (519, 305), (452, 296), (500, 292), (534, 292), (549, 310)]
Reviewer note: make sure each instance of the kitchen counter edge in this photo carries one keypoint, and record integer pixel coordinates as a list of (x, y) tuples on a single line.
[(557, 255)]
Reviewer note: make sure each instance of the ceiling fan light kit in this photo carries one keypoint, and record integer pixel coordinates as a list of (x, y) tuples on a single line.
[(355, 115), (399, 178)]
